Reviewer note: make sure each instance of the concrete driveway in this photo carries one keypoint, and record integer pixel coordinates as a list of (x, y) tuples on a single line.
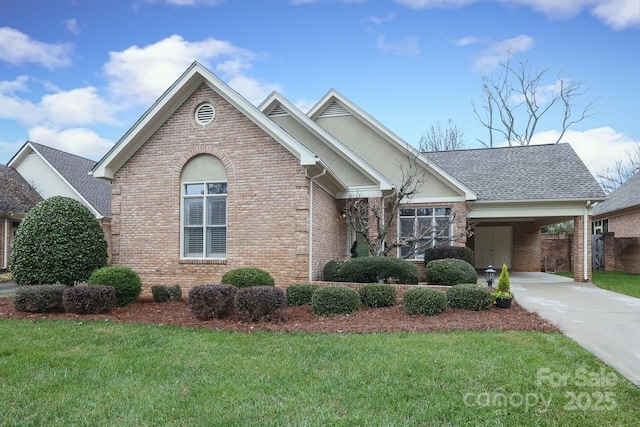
[(7, 287), (605, 323)]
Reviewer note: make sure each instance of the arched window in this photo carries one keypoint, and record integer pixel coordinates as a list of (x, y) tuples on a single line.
[(204, 208)]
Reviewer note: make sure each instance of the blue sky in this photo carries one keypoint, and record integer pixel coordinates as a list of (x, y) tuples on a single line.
[(76, 74)]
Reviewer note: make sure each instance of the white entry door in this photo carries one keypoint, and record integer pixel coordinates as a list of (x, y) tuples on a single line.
[(493, 245)]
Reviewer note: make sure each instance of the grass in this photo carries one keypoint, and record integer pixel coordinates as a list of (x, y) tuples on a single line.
[(60, 373), (616, 281), (5, 277)]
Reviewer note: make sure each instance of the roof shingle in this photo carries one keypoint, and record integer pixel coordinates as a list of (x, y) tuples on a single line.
[(625, 196)]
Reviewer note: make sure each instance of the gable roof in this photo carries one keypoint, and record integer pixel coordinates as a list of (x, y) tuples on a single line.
[(278, 105), (521, 173), (624, 197), (74, 170), (334, 103), (169, 102), (16, 195)]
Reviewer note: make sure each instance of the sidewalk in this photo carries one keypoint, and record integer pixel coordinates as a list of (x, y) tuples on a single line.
[(605, 323)]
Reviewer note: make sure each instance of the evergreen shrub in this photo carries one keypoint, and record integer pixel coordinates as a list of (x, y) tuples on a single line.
[(469, 297), (89, 299), (259, 302), (164, 293), (247, 277), (39, 298), (124, 280), (424, 301), (377, 270), (332, 300), (450, 272), (378, 295), (445, 252), (300, 294), (207, 302)]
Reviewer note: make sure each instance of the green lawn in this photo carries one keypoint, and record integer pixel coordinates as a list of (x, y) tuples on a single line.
[(616, 281), (61, 373)]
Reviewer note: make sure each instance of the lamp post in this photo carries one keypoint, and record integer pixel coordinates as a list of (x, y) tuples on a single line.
[(490, 274)]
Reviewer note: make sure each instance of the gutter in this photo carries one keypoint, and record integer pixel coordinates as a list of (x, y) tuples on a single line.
[(311, 179)]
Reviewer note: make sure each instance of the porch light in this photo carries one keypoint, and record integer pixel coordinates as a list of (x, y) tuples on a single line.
[(489, 274)]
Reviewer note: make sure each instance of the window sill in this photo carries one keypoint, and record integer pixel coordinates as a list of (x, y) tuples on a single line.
[(212, 261)]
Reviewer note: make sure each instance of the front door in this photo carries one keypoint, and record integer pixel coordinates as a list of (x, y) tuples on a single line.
[(493, 245)]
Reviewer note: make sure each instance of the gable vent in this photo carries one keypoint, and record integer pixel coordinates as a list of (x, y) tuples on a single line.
[(278, 111), (205, 114), (335, 109)]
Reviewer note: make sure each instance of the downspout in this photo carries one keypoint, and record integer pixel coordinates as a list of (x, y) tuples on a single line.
[(5, 243), (311, 178), (585, 244)]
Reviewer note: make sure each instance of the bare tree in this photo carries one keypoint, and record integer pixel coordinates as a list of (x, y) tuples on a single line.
[(375, 218), (614, 176), (439, 139), (515, 101)]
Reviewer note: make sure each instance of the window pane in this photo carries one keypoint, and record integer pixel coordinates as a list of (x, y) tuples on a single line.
[(407, 212), (425, 212), (218, 188), (193, 211), (424, 226), (192, 189), (443, 211), (406, 227), (443, 228), (193, 242), (217, 241), (404, 250), (217, 211)]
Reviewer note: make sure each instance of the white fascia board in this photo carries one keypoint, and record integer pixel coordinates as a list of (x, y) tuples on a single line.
[(427, 200), (320, 133), (520, 209), (166, 105), (26, 149), (391, 137)]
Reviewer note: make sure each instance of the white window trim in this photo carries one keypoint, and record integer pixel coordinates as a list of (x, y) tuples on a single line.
[(433, 218), (183, 196)]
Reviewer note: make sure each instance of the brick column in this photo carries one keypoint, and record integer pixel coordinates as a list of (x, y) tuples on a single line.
[(578, 249)]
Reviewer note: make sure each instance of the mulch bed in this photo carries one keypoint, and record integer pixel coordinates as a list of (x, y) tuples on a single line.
[(302, 319)]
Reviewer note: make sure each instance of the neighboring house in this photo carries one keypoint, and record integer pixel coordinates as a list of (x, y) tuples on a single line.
[(56, 173), (617, 220), (16, 198), (206, 182)]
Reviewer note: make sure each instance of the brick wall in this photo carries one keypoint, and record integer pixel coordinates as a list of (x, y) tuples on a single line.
[(556, 252), (329, 234), (267, 201), (627, 225), (578, 250)]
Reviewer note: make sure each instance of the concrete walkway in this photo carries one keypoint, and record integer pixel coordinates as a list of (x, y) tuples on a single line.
[(605, 323), (7, 287)]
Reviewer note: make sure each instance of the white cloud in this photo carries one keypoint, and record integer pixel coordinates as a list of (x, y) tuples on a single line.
[(253, 90), (79, 106), (139, 75), (598, 148), (498, 51), (408, 46), (467, 41), (80, 141), (17, 48), (186, 2), (617, 14), (375, 20), (72, 26)]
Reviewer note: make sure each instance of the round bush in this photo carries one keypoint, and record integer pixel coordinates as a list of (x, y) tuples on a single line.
[(259, 302), (444, 252), (378, 269), (39, 298), (469, 297), (162, 293), (332, 300), (211, 301), (125, 281), (300, 294), (89, 299), (424, 301), (450, 272), (58, 241), (246, 277), (331, 270), (376, 295)]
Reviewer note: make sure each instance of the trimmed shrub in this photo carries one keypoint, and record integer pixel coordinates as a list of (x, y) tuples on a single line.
[(247, 277), (163, 293), (207, 302), (58, 241), (300, 294), (89, 299), (450, 272), (424, 301), (125, 281), (376, 295), (331, 270), (39, 298), (378, 269), (469, 297), (446, 252), (259, 302), (332, 300)]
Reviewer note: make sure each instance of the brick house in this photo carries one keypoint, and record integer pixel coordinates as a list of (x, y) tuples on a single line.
[(53, 172), (17, 197), (617, 222), (205, 182)]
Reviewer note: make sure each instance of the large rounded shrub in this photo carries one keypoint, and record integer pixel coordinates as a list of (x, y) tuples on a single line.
[(332, 300), (331, 270), (58, 241), (469, 297), (424, 301), (378, 269), (300, 294), (378, 295), (450, 272), (247, 277), (444, 252), (125, 281)]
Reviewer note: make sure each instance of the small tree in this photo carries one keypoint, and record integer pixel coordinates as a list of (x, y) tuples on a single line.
[(504, 287), (58, 241)]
